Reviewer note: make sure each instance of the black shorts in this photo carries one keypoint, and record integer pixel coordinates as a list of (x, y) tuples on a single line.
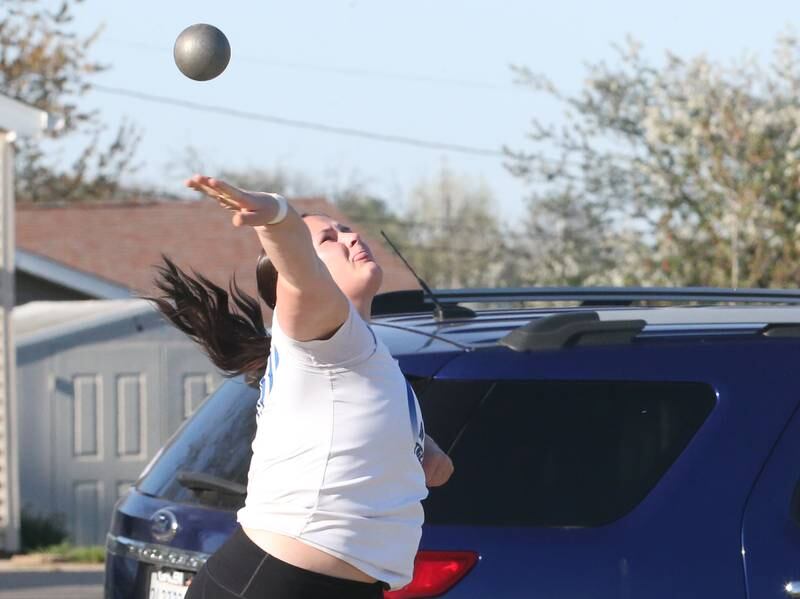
[(241, 569)]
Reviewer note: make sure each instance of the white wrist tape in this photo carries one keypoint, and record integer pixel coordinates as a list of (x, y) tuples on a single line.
[(283, 209)]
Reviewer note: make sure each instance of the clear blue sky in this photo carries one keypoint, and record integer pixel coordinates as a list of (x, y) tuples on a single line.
[(428, 69)]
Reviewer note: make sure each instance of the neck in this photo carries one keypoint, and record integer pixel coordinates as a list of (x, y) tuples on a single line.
[(363, 306)]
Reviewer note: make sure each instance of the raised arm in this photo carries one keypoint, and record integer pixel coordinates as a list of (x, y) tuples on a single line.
[(311, 304)]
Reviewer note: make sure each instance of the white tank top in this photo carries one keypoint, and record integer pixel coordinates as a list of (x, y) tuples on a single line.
[(337, 453)]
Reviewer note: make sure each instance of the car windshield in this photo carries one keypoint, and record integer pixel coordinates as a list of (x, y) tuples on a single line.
[(215, 442)]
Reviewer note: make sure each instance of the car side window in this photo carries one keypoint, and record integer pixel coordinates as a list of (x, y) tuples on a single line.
[(216, 440), (556, 453)]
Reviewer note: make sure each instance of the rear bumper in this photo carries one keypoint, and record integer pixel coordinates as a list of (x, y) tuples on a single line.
[(133, 554), (125, 578), (129, 564), (154, 554)]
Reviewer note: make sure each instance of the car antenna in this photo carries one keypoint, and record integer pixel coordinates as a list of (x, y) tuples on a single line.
[(440, 312)]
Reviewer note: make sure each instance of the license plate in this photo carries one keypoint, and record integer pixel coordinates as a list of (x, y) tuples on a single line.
[(168, 584)]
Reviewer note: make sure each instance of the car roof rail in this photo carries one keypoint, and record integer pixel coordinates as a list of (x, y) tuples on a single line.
[(619, 295), (412, 301), (571, 329), (399, 302)]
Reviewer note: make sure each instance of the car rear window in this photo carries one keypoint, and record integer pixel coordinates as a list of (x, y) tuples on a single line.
[(556, 453), (216, 440)]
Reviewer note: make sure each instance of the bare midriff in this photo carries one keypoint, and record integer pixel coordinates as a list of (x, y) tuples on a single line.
[(297, 553)]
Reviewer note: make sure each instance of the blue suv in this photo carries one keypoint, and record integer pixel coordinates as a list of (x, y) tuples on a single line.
[(629, 443)]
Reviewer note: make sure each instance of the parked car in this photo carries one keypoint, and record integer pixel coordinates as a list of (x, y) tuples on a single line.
[(611, 448)]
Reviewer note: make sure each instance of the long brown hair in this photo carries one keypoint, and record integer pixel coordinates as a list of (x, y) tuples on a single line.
[(228, 325)]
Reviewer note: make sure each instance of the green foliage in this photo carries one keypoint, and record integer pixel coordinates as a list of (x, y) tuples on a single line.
[(373, 215), (45, 64), (681, 173), (565, 242), (39, 530), (65, 552), (456, 239)]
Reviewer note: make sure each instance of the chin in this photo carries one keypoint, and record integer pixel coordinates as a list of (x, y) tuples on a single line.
[(366, 282), (370, 280), (377, 276)]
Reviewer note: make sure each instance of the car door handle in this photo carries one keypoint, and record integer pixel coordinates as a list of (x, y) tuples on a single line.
[(792, 588)]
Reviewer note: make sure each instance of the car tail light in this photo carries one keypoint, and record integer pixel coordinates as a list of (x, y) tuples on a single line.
[(435, 573)]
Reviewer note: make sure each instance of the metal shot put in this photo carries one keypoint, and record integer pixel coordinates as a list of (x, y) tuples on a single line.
[(202, 52)]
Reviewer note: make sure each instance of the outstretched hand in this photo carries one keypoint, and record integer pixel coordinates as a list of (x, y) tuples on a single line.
[(249, 207)]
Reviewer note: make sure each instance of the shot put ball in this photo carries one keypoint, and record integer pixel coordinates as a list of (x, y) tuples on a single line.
[(202, 52)]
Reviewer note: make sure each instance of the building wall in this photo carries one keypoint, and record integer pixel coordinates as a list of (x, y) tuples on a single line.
[(95, 407)]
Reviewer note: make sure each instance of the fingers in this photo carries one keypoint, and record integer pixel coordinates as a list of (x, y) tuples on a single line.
[(219, 190), (197, 182), (228, 191), (227, 194), (249, 206), (222, 197)]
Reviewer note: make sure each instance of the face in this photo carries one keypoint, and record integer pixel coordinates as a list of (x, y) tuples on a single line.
[(347, 256)]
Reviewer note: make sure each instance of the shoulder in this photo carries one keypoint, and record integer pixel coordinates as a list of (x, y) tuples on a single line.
[(314, 312), (348, 344)]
